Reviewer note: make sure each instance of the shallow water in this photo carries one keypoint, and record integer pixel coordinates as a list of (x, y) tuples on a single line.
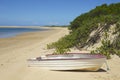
[(11, 32)]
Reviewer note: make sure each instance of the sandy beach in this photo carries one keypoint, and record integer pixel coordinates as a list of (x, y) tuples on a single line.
[(16, 50)]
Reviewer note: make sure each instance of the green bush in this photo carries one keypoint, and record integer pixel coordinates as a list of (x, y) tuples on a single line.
[(83, 25)]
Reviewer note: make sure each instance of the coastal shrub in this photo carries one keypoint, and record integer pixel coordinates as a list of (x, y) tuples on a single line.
[(63, 44), (80, 28), (106, 48)]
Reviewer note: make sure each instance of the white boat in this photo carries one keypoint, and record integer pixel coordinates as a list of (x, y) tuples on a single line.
[(69, 61)]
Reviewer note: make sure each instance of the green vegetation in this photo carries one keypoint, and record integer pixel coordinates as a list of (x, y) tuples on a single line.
[(106, 47), (56, 26), (102, 16)]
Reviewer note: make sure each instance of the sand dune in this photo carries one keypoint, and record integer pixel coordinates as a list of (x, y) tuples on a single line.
[(15, 51)]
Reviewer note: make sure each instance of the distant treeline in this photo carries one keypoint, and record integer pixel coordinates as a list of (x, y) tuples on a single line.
[(56, 25)]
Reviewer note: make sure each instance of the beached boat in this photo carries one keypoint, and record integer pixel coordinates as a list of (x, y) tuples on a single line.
[(69, 61)]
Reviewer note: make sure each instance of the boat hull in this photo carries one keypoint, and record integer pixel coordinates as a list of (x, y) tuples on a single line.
[(68, 64)]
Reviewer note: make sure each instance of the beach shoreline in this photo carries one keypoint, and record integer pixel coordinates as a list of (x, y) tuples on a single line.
[(16, 50)]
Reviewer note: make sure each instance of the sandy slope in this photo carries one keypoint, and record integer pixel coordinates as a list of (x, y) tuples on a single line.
[(15, 51)]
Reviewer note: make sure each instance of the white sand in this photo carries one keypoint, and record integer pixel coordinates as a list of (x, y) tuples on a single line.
[(15, 51)]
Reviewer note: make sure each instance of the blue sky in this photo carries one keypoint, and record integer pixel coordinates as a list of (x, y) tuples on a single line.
[(45, 12)]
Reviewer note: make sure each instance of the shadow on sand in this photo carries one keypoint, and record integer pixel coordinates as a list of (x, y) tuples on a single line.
[(100, 70)]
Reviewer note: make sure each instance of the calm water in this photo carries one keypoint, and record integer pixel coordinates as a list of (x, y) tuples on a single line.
[(11, 32)]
